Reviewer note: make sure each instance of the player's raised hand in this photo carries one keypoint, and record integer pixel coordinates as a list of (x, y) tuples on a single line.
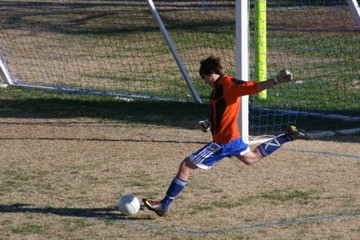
[(284, 76)]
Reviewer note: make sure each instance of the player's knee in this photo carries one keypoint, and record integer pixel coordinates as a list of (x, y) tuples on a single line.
[(189, 164), (251, 157), (186, 164)]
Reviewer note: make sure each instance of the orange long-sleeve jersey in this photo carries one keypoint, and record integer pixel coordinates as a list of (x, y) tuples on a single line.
[(224, 107)]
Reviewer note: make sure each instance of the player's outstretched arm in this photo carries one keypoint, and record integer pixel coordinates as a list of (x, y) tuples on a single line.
[(284, 76)]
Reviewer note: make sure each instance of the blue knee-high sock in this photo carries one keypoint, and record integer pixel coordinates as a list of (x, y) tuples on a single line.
[(272, 145), (175, 188)]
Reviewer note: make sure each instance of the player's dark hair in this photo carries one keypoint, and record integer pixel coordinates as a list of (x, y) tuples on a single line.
[(210, 65)]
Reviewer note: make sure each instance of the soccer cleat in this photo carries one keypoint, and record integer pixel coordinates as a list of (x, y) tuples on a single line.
[(295, 133), (155, 206)]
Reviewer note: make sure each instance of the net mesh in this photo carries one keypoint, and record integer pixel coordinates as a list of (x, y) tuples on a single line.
[(116, 46)]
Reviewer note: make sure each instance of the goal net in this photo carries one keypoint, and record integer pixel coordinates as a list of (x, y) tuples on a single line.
[(319, 41), (112, 47), (116, 47)]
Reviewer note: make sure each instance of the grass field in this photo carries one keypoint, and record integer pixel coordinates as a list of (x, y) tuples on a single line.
[(66, 159)]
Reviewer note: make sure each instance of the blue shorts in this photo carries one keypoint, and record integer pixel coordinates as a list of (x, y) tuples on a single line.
[(213, 152)]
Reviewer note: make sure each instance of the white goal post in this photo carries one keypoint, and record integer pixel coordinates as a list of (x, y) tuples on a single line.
[(242, 63)]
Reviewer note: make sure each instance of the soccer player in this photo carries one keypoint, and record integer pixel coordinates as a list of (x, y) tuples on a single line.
[(223, 122)]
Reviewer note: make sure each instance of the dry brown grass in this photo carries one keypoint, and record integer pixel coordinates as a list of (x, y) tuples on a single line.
[(61, 179)]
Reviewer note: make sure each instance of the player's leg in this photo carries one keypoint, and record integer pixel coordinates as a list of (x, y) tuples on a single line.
[(177, 185), (291, 133), (270, 146), (203, 158)]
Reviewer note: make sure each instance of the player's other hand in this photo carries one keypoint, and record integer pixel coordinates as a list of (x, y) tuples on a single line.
[(284, 76), (204, 125)]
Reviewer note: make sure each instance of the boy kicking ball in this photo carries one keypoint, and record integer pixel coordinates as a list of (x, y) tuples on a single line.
[(223, 123)]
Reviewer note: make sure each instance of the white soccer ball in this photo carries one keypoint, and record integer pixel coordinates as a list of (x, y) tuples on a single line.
[(129, 204)]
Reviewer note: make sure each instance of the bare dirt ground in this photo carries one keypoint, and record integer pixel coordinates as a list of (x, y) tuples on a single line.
[(61, 179)]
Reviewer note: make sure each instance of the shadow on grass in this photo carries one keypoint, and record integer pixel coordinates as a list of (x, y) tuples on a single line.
[(17, 103), (175, 140), (111, 213)]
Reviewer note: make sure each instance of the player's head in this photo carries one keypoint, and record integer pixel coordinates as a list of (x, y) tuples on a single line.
[(209, 66)]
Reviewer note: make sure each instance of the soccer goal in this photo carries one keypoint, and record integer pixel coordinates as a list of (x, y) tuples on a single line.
[(121, 48)]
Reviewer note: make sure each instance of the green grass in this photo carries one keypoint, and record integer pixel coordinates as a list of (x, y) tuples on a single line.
[(274, 197), (28, 228), (278, 196)]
